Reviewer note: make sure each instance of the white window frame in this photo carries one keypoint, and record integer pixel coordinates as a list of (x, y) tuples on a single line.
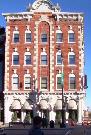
[(16, 32), (13, 88), (71, 53), (27, 75), (71, 31), (27, 53), (28, 31), (59, 31), (40, 83), (14, 53), (58, 53), (44, 54), (58, 75), (72, 75)]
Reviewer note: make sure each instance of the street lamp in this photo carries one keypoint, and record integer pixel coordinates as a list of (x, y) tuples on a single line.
[(62, 86)]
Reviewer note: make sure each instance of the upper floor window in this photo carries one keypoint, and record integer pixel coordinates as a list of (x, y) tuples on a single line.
[(59, 36), (72, 81), (27, 81), (28, 36), (44, 37), (43, 82), (43, 58), (71, 36), (15, 58), (15, 82), (16, 36), (58, 58), (71, 57), (27, 58)]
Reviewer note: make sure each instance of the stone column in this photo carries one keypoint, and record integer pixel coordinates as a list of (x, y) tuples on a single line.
[(79, 111)]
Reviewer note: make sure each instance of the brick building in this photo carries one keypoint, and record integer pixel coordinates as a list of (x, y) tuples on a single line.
[(42, 44)]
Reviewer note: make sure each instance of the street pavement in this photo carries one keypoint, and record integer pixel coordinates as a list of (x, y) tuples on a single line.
[(77, 130)]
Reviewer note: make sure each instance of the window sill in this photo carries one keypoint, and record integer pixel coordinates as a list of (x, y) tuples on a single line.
[(71, 42), (15, 65), (27, 65), (72, 65)]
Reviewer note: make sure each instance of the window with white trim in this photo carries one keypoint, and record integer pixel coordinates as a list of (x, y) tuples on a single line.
[(27, 58), (43, 58), (27, 81), (59, 36), (43, 82), (44, 37), (71, 57), (58, 82), (15, 82), (16, 36), (71, 36), (15, 58), (28, 37), (72, 81), (58, 58)]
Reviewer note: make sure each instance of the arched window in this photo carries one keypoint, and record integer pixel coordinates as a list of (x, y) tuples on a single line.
[(72, 81), (15, 82), (28, 37), (16, 35), (59, 58), (15, 58), (27, 81), (71, 36), (43, 58), (71, 58), (59, 36), (27, 58)]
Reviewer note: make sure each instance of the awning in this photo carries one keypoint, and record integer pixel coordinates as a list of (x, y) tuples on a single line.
[(72, 104), (27, 105), (58, 105), (43, 104), (16, 105)]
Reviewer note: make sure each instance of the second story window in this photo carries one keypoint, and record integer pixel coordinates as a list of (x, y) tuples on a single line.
[(43, 82), (15, 59), (27, 82), (44, 37), (72, 81), (15, 82), (59, 85)]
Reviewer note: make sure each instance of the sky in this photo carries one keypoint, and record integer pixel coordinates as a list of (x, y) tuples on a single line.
[(9, 6)]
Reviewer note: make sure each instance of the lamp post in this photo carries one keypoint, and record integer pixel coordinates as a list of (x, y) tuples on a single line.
[(62, 85)]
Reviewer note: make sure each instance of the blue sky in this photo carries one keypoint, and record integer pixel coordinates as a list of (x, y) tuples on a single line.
[(66, 5)]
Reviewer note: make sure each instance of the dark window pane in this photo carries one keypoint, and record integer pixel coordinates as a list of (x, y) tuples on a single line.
[(16, 59), (71, 37), (44, 37), (71, 59), (28, 59), (72, 83), (59, 83), (59, 59), (28, 37), (16, 37)]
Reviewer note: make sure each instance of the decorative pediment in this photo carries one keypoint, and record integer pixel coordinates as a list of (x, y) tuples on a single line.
[(43, 6)]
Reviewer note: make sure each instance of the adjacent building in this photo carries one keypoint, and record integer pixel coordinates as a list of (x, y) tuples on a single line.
[(44, 48), (2, 61)]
